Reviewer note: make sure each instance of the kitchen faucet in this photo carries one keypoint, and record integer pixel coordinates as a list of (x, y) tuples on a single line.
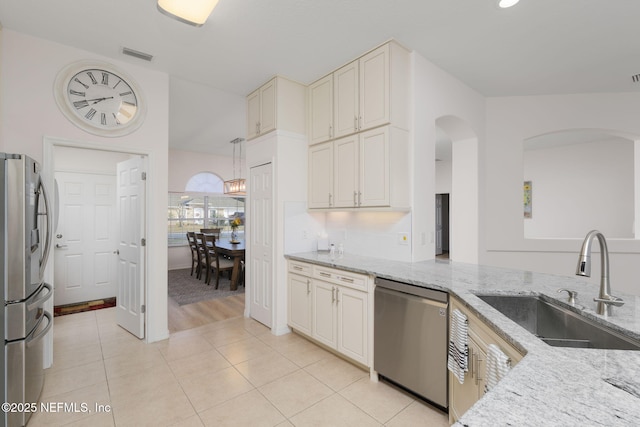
[(605, 300)]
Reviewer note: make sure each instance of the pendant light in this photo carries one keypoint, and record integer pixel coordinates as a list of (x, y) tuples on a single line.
[(192, 12), (236, 187)]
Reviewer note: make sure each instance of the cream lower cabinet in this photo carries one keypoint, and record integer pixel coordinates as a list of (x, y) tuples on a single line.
[(339, 308), (300, 303), (464, 396)]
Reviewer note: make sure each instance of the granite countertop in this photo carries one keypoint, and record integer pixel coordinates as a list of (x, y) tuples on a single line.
[(551, 385)]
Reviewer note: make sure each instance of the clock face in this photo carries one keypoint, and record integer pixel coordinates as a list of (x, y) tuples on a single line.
[(102, 98), (99, 99)]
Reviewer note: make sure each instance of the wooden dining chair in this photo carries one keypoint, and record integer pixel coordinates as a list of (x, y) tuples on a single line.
[(195, 254), (214, 231), (217, 264), (202, 253)]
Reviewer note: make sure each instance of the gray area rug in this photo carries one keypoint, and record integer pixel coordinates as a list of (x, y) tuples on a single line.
[(186, 289)]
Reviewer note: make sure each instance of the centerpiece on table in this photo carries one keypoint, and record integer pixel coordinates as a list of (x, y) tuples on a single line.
[(235, 223)]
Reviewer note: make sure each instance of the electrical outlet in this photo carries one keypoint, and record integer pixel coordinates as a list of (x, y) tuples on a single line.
[(403, 238)]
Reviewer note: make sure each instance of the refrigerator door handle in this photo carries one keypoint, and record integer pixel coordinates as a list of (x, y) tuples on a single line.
[(43, 299), (47, 242), (33, 339)]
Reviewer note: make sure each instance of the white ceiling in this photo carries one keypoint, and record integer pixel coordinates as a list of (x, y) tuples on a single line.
[(536, 47)]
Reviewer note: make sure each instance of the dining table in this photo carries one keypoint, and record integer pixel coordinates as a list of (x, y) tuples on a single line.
[(235, 251)]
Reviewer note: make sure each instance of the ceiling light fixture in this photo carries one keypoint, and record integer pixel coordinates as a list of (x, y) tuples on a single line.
[(192, 12), (236, 187), (507, 3)]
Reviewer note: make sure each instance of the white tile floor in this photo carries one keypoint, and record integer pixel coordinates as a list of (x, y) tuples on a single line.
[(233, 372)]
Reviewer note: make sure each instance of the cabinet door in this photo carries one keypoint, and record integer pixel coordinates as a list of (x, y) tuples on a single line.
[(300, 303), (253, 114), (352, 324), (268, 107), (324, 313), (321, 110), (321, 175), (374, 168), (346, 92), (374, 88), (345, 171), (463, 396)]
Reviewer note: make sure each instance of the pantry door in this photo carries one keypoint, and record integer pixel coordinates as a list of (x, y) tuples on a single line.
[(130, 312), (85, 238), (260, 271)]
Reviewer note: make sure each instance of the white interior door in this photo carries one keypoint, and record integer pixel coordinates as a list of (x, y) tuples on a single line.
[(131, 232), (261, 253), (85, 238)]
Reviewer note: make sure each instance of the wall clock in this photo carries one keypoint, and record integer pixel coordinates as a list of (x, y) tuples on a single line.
[(99, 98)]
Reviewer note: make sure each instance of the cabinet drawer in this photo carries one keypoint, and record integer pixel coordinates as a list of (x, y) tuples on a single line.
[(300, 268), (341, 277)]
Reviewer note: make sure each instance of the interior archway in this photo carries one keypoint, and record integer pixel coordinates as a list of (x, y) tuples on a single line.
[(464, 187)]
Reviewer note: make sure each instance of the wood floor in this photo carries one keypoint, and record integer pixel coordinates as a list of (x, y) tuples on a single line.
[(201, 313)]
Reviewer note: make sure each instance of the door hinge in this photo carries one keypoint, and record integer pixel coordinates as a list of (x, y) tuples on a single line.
[(144, 176), (143, 308), (143, 242)]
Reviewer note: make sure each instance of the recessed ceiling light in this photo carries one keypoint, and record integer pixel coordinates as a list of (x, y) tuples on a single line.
[(507, 3)]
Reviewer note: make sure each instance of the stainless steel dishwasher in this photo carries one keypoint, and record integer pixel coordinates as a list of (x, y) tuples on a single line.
[(410, 338)]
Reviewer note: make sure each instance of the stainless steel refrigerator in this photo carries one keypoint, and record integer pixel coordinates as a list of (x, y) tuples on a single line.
[(25, 229)]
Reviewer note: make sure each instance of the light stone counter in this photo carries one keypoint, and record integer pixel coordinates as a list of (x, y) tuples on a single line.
[(551, 385)]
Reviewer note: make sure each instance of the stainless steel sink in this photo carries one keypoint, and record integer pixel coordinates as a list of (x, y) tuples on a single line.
[(558, 326)]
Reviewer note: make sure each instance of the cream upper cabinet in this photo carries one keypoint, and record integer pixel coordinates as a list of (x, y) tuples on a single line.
[(368, 92), (346, 165), (253, 114), (375, 178), (320, 194), (278, 104), (374, 89), (321, 110), (347, 101), (363, 170)]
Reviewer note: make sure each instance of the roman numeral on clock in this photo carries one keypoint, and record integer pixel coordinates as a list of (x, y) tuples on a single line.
[(78, 81), (92, 77), (81, 104)]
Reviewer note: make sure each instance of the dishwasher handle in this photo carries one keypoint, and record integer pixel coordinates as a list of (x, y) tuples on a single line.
[(410, 289), (381, 292)]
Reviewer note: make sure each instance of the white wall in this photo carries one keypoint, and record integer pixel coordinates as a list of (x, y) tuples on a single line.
[(440, 97), (579, 187), (511, 120), (29, 113)]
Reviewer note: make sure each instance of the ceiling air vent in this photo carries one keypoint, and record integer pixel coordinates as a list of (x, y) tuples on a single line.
[(636, 78), (137, 54)]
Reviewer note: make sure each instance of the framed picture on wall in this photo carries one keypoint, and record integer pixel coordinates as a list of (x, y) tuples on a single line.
[(527, 199)]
